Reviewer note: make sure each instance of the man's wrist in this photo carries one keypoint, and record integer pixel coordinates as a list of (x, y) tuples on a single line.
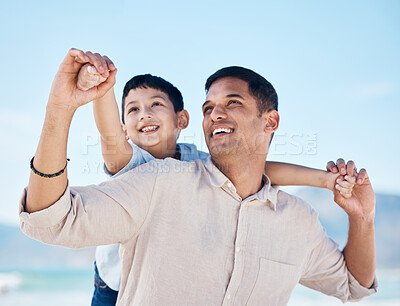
[(58, 118), (63, 112), (363, 220), (56, 107)]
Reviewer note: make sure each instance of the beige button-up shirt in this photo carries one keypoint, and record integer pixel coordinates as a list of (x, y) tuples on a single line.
[(187, 238)]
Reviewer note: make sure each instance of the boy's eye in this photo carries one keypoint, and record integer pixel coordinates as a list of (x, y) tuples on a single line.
[(156, 104), (133, 109)]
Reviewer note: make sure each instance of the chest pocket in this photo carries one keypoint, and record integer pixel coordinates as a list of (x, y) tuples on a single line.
[(274, 284)]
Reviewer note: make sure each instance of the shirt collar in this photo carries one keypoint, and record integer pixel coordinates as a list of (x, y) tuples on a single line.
[(267, 195)]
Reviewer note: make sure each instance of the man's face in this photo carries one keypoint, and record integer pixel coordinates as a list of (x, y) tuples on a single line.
[(232, 124), (150, 119)]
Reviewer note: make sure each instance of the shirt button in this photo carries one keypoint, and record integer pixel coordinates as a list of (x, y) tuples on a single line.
[(228, 296), (238, 249)]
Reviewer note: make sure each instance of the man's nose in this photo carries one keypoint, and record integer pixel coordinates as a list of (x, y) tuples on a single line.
[(218, 113)]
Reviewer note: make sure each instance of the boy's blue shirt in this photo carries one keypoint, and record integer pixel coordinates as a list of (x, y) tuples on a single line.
[(139, 156), (107, 256)]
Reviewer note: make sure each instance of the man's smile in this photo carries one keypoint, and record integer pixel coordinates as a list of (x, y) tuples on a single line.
[(220, 130)]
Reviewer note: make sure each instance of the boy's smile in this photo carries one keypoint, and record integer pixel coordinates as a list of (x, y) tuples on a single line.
[(148, 129)]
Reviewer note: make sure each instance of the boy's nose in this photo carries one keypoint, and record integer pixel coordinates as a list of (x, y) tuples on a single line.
[(145, 115), (148, 116)]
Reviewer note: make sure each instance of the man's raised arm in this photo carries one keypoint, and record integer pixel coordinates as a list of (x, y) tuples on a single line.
[(64, 99)]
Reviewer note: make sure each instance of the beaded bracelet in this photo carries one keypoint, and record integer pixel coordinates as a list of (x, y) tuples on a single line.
[(48, 175)]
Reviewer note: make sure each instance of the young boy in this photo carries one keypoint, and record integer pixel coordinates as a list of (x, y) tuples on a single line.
[(152, 118)]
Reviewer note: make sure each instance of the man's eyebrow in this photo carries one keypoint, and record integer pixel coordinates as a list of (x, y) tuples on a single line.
[(234, 96), (205, 103), (227, 96)]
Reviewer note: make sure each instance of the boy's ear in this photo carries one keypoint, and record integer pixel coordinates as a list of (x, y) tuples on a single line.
[(183, 119), (272, 121), (125, 131)]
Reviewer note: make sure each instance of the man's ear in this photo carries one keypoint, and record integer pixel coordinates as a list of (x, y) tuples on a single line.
[(272, 121), (183, 119)]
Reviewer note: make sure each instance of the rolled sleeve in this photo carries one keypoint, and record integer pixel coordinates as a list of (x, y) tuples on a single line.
[(359, 292), (326, 271), (47, 217)]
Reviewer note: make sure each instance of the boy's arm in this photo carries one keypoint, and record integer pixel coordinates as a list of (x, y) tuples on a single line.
[(290, 174), (51, 153), (116, 150)]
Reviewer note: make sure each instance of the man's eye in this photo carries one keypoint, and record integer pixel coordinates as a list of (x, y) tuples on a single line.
[(233, 102), (156, 104), (207, 109)]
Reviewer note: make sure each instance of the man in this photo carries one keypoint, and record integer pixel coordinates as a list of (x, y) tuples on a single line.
[(204, 232)]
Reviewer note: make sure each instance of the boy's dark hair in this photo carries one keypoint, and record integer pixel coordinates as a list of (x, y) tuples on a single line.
[(259, 87), (155, 82)]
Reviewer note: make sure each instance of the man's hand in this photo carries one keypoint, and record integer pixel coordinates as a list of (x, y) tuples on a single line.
[(359, 252), (361, 202), (65, 92)]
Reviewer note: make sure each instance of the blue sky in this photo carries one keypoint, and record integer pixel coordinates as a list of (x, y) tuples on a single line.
[(334, 65)]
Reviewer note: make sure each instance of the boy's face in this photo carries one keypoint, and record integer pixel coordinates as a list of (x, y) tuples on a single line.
[(151, 121)]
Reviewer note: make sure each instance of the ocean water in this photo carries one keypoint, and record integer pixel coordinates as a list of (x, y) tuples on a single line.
[(75, 287), (47, 287)]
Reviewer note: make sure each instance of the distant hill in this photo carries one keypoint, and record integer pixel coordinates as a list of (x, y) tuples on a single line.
[(387, 223), (16, 249)]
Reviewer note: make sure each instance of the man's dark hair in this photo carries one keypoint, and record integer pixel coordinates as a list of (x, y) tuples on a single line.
[(259, 87), (155, 82)]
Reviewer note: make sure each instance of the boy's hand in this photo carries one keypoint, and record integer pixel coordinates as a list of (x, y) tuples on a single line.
[(361, 201), (89, 77), (346, 184), (65, 92)]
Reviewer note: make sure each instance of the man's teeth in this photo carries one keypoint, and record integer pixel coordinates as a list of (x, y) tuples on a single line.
[(222, 130), (150, 128)]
